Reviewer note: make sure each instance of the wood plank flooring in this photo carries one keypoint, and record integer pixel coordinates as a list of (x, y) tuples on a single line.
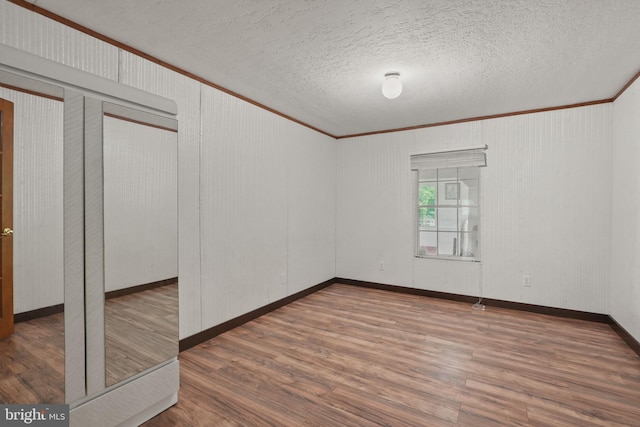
[(32, 362), (349, 356), (141, 330)]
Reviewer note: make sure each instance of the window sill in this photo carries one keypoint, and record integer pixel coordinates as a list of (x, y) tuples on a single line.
[(448, 258)]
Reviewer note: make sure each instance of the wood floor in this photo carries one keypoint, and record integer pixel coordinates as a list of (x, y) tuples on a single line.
[(32, 362), (349, 356), (141, 330)]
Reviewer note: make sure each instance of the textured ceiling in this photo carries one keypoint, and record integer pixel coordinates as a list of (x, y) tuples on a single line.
[(323, 61)]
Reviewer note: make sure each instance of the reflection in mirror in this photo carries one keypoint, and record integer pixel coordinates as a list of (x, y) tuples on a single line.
[(32, 354), (140, 245)]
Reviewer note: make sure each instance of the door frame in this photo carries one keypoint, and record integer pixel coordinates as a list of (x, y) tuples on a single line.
[(6, 218)]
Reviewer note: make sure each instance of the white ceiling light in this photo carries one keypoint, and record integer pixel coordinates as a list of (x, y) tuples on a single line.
[(392, 86)]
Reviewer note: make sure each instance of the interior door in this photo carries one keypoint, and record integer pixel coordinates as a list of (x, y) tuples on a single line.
[(6, 218)]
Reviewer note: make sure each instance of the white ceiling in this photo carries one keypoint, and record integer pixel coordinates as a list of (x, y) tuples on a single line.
[(323, 61)]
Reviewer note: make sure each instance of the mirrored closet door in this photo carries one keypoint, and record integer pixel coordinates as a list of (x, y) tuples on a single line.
[(140, 241), (92, 240)]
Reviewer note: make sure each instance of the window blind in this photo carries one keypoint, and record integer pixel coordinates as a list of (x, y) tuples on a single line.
[(450, 159)]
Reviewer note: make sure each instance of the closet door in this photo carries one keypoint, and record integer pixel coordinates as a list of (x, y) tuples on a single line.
[(131, 242), (140, 242), (89, 240)]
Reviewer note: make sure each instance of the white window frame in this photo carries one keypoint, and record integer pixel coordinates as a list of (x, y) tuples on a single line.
[(438, 162)]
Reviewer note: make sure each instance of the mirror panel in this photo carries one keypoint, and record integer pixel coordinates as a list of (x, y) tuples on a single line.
[(32, 364), (140, 241)]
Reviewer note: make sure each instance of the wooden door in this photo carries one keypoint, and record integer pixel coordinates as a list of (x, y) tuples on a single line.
[(6, 218)]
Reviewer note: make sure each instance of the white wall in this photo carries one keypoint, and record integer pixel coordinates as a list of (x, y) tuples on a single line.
[(37, 201), (544, 209), (625, 199), (267, 207), (49, 39), (243, 190), (256, 191), (140, 204), (311, 208)]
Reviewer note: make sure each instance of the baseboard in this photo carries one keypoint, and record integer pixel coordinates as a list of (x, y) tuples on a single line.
[(629, 339), (200, 337), (407, 290), (633, 343), (140, 288), (541, 309), (38, 313), (59, 308)]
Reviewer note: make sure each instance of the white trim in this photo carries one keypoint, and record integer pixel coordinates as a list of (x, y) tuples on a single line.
[(73, 247), (28, 65), (94, 244), (131, 403), (139, 116), (36, 86)]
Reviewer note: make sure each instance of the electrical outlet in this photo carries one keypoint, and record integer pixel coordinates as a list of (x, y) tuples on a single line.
[(381, 266), (526, 281)]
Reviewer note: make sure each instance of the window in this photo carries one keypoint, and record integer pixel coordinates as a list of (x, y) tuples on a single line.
[(448, 203)]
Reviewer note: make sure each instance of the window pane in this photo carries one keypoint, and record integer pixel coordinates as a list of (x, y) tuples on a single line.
[(468, 244), (427, 219), (448, 174), (448, 212), (470, 172), (428, 174), (428, 243), (469, 193), (468, 219), (447, 219), (447, 243), (448, 192), (427, 193), (469, 186)]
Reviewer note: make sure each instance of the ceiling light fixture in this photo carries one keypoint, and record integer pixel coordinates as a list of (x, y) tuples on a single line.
[(392, 86)]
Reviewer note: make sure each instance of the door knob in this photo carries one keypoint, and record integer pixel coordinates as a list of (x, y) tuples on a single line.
[(6, 232)]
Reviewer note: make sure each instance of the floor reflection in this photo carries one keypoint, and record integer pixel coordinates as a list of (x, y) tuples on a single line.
[(141, 331)]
